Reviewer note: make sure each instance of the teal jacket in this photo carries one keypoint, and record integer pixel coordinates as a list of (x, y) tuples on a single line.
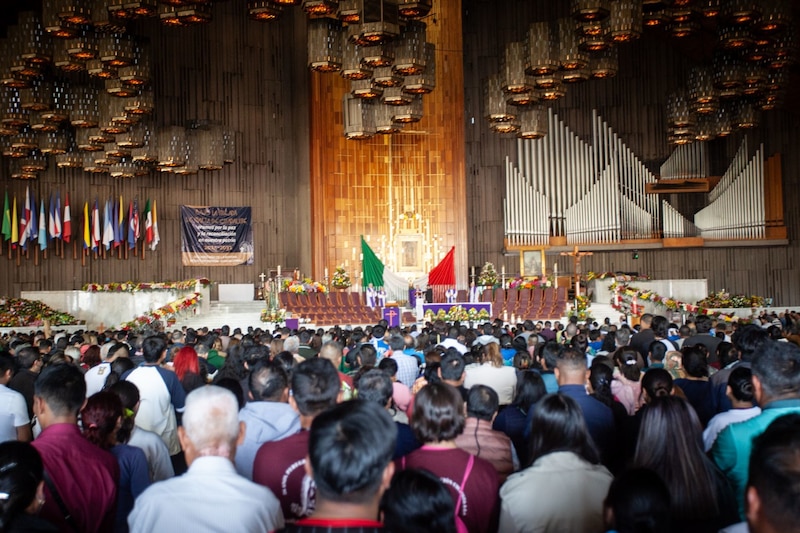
[(731, 451)]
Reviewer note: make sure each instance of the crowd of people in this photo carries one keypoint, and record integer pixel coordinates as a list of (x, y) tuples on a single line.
[(531, 427)]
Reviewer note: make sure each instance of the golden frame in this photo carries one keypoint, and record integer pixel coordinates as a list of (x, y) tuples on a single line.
[(532, 262)]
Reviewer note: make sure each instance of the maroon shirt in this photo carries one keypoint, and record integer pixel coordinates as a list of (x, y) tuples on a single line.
[(480, 501), (280, 466), (85, 476)]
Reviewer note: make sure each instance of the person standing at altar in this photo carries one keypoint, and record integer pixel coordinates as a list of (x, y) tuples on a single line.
[(371, 296), (450, 294), (419, 300), (381, 297), (474, 293)]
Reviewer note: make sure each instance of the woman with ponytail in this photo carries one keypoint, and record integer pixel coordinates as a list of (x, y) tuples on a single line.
[(107, 425), (21, 489)]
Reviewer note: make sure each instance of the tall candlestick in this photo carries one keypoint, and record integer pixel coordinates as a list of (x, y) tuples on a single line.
[(326, 272), (279, 270), (473, 272), (504, 270)]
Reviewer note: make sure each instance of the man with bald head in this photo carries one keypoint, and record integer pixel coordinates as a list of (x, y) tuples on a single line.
[(211, 496)]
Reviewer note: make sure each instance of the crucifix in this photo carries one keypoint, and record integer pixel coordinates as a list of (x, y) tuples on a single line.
[(263, 277), (576, 266)]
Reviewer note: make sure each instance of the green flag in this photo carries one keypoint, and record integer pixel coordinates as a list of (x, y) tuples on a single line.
[(371, 266), (6, 220)]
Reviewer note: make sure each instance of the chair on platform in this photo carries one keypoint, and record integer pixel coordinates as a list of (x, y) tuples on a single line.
[(486, 296), (461, 296), (283, 298)]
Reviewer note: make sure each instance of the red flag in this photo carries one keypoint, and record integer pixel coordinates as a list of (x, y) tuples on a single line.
[(67, 231), (445, 272)]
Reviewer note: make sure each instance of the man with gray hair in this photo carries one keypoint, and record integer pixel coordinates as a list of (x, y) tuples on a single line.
[(211, 496)]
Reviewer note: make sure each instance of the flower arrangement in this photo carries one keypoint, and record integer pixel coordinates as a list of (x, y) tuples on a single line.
[(164, 312), (488, 276), (536, 282), (129, 286), (340, 279), (303, 286), (273, 315), (18, 312), (724, 299), (617, 276), (457, 312), (581, 309)]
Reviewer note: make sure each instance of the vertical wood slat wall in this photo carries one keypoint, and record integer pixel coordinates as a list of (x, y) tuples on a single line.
[(633, 104), (349, 179), (235, 71)]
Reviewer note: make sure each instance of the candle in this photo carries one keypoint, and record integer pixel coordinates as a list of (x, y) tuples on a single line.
[(326, 272), (504, 270), (279, 270), (473, 271)]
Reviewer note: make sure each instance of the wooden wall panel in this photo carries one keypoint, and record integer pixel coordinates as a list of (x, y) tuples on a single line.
[(233, 70)]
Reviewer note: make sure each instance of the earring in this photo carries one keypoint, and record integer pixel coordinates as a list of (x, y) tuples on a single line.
[(40, 501)]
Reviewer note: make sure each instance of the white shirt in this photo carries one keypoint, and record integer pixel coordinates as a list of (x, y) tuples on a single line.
[(13, 413), (209, 497), (725, 419), (158, 461), (96, 377), (453, 343), (502, 379)]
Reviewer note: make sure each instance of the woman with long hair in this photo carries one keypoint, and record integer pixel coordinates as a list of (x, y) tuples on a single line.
[(565, 474), (511, 420), (105, 423), (492, 372), (187, 367), (438, 418), (706, 398), (627, 386), (21, 489), (671, 444)]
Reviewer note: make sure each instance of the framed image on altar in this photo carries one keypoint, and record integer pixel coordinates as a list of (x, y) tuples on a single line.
[(532, 262), (409, 253)]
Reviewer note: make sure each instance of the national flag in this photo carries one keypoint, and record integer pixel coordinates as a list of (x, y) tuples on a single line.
[(445, 272), (66, 233), (156, 236), (33, 224), (14, 225), (95, 226), (87, 235), (6, 220), (371, 266), (108, 224), (119, 234), (133, 224), (148, 222), (51, 218), (24, 219), (42, 228)]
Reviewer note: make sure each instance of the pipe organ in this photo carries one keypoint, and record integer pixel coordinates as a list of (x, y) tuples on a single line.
[(568, 191)]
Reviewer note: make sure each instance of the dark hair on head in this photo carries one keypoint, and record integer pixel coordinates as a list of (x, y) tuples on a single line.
[(579, 342), (378, 331), (438, 413), (657, 383), (452, 365), (530, 389), (6, 364), (91, 356), (367, 354), (748, 340), (397, 343), (694, 362), (99, 418), (267, 381), (571, 360), (127, 392), (418, 502), (482, 402), (350, 446), (315, 386), (774, 333), (778, 369), (233, 366), (627, 359), (63, 389), (21, 472), (27, 356), (389, 366), (286, 360), (304, 336), (660, 326), (702, 324), (600, 377), (431, 372), (740, 381), (558, 425), (639, 500), (658, 351), (609, 343), (234, 386), (152, 348), (375, 386), (726, 354), (774, 472), (670, 443), (118, 367), (522, 360)]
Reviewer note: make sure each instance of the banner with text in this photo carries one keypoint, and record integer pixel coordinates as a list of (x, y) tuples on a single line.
[(216, 236)]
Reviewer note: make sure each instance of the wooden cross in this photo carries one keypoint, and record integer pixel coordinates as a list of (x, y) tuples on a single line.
[(262, 276), (576, 266)]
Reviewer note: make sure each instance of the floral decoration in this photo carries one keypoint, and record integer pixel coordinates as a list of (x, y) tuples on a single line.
[(488, 276), (273, 315), (164, 312), (130, 286), (617, 276), (457, 312), (340, 279), (303, 286), (19, 312), (581, 308), (536, 282), (724, 299)]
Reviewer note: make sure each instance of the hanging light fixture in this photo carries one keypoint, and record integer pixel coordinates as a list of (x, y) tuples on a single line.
[(53, 143), (594, 35), (70, 159), (590, 10), (36, 48), (706, 125), (741, 12), (381, 55), (533, 122), (654, 13), (171, 146), (424, 82), (349, 11), (410, 49), (76, 12), (359, 118), (148, 153), (117, 50), (383, 120), (115, 87), (728, 75), (263, 10), (385, 77), (410, 113), (776, 16), (684, 22), (365, 89), (84, 142), (709, 8), (37, 97), (324, 45), (604, 64), (625, 21), (140, 104), (411, 9), (98, 69), (82, 46), (24, 142), (40, 124), (134, 137), (320, 8), (542, 41), (123, 169), (84, 112), (229, 148), (784, 52), (755, 79), (735, 37), (512, 69), (63, 61), (192, 164), (168, 15), (380, 21), (13, 115), (110, 109), (103, 20), (395, 96), (352, 67), (210, 147), (703, 96), (571, 57), (497, 109), (52, 23), (287, 2), (747, 115), (138, 73), (115, 150), (194, 14), (679, 113)]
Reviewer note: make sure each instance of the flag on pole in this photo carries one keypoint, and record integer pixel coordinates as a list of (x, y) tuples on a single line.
[(119, 234), (42, 228), (156, 236), (66, 233), (24, 219), (148, 222), (133, 224), (445, 272), (51, 218), (14, 225), (95, 226), (108, 227), (87, 236), (371, 266), (33, 224), (6, 220)]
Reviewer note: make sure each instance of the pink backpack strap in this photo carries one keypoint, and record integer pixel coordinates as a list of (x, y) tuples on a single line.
[(467, 471)]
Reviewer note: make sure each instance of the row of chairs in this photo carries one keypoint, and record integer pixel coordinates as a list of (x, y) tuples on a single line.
[(528, 304), (327, 309)]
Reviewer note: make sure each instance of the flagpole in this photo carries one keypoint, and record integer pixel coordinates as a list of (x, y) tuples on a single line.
[(36, 257), (74, 251), (143, 247)]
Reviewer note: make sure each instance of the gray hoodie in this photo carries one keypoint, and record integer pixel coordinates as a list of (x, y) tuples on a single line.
[(264, 422)]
